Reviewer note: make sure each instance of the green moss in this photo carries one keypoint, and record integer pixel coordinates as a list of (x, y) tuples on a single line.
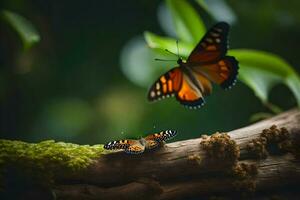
[(46, 159)]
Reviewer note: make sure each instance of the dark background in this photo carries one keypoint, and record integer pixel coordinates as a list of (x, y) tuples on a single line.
[(70, 85)]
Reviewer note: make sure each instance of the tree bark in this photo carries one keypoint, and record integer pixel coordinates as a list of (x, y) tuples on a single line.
[(186, 169)]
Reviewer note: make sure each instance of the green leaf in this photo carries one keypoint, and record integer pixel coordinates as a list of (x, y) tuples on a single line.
[(158, 42), (218, 10), (23, 27), (293, 82), (137, 62), (203, 4), (188, 24), (260, 116), (261, 71), (165, 19)]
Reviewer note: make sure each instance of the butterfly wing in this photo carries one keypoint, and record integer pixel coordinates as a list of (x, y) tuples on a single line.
[(224, 72), (162, 136), (130, 146), (206, 63), (212, 47), (208, 58), (136, 148), (167, 85), (151, 144), (179, 83), (154, 140), (189, 94), (118, 144)]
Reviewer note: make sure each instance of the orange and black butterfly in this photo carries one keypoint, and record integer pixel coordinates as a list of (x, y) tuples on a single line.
[(138, 146), (207, 63)]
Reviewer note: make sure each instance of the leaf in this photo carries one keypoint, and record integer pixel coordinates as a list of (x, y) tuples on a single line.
[(158, 42), (23, 27), (260, 116), (219, 10), (261, 71), (293, 82), (165, 19), (138, 64), (205, 7), (188, 24)]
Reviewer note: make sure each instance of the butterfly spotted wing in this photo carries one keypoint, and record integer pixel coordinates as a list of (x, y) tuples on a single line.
[(212, 47), (129, 146), (136, 148), (178, 83), (223, 72), (207, 63), (167, 85), (154, 140), (209, 57)]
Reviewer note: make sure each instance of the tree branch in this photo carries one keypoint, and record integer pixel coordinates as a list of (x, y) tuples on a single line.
[(250, 161)]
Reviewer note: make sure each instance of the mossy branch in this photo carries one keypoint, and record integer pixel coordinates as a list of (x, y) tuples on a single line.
[(261, 159)]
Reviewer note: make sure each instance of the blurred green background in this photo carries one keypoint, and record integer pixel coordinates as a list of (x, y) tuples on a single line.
[(75, 85)]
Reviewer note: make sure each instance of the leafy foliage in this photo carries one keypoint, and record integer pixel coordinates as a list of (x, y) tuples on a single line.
[(160, 43), (189, 27), (259, 70), (262, 70), (218, 9), (27, 32)]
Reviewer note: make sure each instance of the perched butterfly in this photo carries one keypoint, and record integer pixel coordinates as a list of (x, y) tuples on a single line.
[(138, 146), (207, 63)]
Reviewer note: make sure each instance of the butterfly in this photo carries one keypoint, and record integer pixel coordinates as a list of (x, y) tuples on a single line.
[(192, 79), (138, 146)]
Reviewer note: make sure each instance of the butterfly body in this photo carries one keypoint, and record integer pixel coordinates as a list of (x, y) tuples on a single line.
[(186, 69), (192, 79), (138, 146)]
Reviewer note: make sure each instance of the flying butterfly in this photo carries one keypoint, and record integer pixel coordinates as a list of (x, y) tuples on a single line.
[(192, 79), (138, 146)]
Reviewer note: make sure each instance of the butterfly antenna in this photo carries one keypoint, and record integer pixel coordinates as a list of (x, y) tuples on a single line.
[(158, 59), (170, 52), (177, 49), (177, 55)]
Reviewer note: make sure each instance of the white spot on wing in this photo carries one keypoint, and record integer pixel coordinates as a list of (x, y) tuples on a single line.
[(152, 94), (157, 86)]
